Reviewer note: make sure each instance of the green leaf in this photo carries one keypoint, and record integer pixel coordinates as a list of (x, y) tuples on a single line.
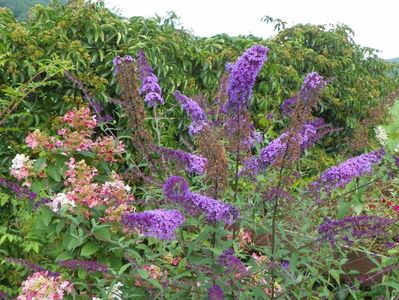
[(46, 215), (38, 164), (89, 249), (102, 233), (36, 186), (64, 256), (75, 242), (294, 261), (54, 172), (335, 274), (343, 207)]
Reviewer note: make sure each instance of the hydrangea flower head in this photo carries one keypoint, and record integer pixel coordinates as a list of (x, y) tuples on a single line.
[(42, 286)]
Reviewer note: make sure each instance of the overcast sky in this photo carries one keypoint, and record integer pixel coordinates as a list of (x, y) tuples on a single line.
[(376, 23)]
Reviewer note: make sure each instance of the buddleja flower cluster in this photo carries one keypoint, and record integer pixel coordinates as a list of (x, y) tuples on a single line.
[(339, 176), (191, 162), (306, 137), (243, 76), (176, 189), (355, 228), (197, 114), (159, 223), (150, 88), (42, 286)]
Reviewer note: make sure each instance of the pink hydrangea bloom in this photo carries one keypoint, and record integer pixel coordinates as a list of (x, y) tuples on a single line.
[(41, 285), (21, 165), (36, 139)]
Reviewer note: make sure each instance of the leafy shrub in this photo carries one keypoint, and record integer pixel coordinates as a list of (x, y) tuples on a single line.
[(175, 238)]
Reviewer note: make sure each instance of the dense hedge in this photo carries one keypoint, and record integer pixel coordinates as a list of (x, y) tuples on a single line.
[(84, 38)]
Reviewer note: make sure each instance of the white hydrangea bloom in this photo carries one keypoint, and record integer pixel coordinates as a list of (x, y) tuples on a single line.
[(115, 293), (381, 135), (396, 148), (60, 200), (128, 188), (19, 161), (118, 184)]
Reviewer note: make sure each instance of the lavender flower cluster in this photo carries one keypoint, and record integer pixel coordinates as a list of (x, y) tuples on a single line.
[(306, 137), (88, 265), (231, 262), (339, 176), (355, 227), (192, 163), (23, 192), (159, 223), (242, 77), (176, 189), (312, 82), (215, 292), (31, 266), (149, 82), (19, 191), (120, 61), (288, 105), (197, 114)]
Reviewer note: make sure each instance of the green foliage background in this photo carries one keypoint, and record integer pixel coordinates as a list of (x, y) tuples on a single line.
[(21, 7), (84, 39)]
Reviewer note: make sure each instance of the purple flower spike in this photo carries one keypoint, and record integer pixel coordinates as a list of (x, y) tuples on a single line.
[(159, 223), (198, 116), (231, 263), (192, 163), (88, 265), (215, 293), (149, 82), (396, 158), (31, 266), (119, 61), (288, 105), (358, 227), (312, 82), (176, 189), (243, 76), (339, 176), (307, 137)]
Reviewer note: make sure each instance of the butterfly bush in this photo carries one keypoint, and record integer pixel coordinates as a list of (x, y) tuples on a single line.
[(88, 265), (231, 262), (312, 83), (355, 228), (149, 82), (159, 223), (215, 292), (306, 137), (197, 114), (42, 286), (176, 189), (191, 162), (242, 77), (339, 176), (119, 61)]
